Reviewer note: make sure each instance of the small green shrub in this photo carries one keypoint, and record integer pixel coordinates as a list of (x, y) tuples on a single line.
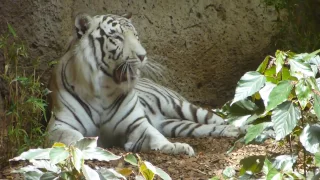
[(62, 162), (24, 102), (283, 95)]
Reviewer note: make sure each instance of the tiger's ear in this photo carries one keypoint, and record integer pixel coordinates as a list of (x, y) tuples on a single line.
[(127, 15), (82, 24)]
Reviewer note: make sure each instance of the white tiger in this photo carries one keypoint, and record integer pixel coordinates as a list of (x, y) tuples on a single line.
[(97, 91)]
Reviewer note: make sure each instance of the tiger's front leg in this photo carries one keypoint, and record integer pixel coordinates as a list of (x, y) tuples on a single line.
[(145, 138), (134, 133)]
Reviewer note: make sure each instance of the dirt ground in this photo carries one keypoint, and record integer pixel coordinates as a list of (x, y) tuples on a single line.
[(210, 160)]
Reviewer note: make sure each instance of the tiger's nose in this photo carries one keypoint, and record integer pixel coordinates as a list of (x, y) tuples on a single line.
[(141, 57)]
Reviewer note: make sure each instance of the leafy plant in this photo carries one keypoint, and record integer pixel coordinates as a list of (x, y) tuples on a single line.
[(62, 162), (283, 95), (24, 97)]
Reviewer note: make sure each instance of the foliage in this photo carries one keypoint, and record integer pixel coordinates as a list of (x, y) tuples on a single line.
[(24, 101), (282, 94), (62, 162), (298, 24)]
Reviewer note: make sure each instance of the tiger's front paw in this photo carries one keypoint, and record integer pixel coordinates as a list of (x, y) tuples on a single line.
[(178, 148), (230, 131)]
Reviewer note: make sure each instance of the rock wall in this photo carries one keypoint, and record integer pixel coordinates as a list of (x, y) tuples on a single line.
[(207, 45)]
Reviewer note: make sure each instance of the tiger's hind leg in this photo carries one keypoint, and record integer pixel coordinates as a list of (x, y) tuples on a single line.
[(186, 128)]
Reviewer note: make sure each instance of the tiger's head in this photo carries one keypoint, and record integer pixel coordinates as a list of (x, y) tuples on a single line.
[(110, 44)]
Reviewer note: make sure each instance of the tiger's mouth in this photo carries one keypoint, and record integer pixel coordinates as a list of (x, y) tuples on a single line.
[(124, 72)]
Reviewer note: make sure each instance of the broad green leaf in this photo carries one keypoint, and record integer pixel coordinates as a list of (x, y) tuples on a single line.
[(58, 154), (285, 74), (265, 92), (254, 131), (280, 57), (271, 172), (315, 60), (99, 154), (229, 172), (311, 55), (77, 158), (215, 178), (49, 176), (130, 158), (238, 121), (279, 94), (316, 105), (284, 162), (249, 84), (262, 67), (271, 76), (317, 159), (33, 154), (309, 138), (285, 118), (32, 175), (89, 173), (147, 171), (303, 92), (252, 164), (300, 69), (12, 31), (162, 174), (313, 83), (106, 174), (45, 164), (88, 142)]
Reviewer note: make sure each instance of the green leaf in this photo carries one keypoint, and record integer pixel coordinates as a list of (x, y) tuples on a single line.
[(262, 67), (250, 83), (254, 131), (110, 174), (11, 30), (284, 162), (45, 164), (49, 176), (229, 172), (285, 74), (147, 170), (130, 158), (311, 55), (309, 138), (315, 60), (285, 118), (58, 154), (99, 154), (33, 154), (300, 69), (252, 164), (265, 92), (77, 158), (279, 94), (271, 172), (89, 173), (316, 105), (280, 57), (303, 92), (317, 159), (162, 174), (85, 143)]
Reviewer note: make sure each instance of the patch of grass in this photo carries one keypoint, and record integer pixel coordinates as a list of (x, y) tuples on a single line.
[(24, 101)]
